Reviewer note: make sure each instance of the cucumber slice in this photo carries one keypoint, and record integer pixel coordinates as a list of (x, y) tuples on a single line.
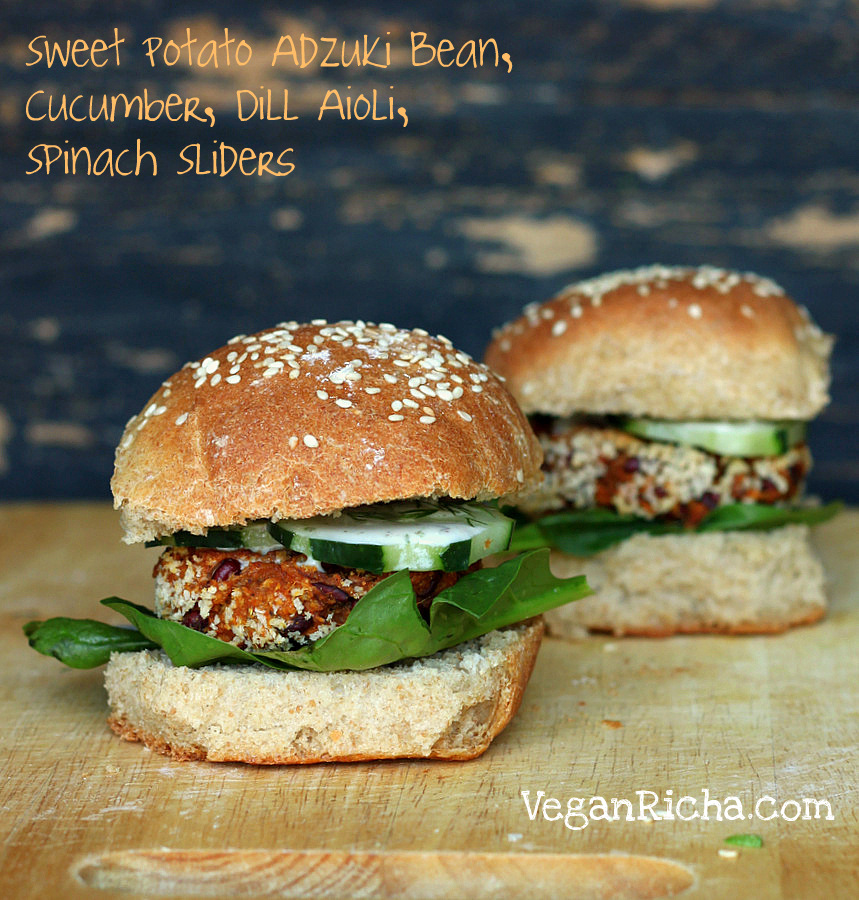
[(418, 535), (254, 536), (728, 438)]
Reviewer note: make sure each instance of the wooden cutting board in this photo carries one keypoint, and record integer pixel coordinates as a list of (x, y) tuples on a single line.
[(87, 815)]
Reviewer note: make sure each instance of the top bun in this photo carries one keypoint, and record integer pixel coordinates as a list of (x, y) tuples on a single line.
[(669, 343), (305, 420)]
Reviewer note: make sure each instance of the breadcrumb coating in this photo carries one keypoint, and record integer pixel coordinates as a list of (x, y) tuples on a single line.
[(266, 601), (588, 465)]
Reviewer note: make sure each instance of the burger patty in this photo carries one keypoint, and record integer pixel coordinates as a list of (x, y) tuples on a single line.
[(266, 601), (589, 466)]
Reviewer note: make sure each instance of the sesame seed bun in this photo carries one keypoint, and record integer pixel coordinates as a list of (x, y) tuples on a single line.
[(672, 343), (304, 420)]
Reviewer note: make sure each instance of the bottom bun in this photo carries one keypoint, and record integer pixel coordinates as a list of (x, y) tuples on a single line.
[(752, 582), (447, 706)]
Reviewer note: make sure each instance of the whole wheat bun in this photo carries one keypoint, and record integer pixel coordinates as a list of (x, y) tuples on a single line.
[(672, 343), (304, 420), (447, 706), (733, 582)]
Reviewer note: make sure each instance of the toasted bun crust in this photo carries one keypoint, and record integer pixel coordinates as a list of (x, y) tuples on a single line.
[(447, 706), (730, 582), (305, 420), (673, 343)]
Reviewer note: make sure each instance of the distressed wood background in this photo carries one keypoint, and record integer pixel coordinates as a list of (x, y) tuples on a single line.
[(677, 131)]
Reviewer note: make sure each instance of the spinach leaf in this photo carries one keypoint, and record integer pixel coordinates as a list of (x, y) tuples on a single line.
[(385, 625), (83, 643), (584, 532)]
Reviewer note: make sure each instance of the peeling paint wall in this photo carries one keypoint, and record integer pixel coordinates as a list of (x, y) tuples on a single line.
[(629, 132)]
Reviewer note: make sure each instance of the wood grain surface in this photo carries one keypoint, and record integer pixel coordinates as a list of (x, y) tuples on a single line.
[(83, 814)]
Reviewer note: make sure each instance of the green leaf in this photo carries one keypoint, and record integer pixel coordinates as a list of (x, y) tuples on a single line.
[(385, 625), (760, 516), (745, 840), (584, 532), (83, 643)]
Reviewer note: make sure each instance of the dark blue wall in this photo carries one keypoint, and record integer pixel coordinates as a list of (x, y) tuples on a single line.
[(625, 135)]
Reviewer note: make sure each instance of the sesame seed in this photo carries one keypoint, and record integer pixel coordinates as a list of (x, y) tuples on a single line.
[(694, 310), (416, 394), (271, 372), (343, 404), (426, 420), (200, 381), (323, 395), (182, 419), (215, 379), (520, 475), (576, 312), (395, 418), (318, 321), (457, 392), (444, 395), (559, 327), (463, 415), (233, 379), (310, 441), (747, 311), (372, 390), (476, 388), (391, 379), (410, 403), (396, 405), (293, 442), (426, 389), (294, 373)]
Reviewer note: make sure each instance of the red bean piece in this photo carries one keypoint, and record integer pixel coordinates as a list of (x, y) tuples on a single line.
[(227, 568), (334, 592)]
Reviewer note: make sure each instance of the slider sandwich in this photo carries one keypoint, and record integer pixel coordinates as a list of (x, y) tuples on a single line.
[(323, 498), (671, 405)]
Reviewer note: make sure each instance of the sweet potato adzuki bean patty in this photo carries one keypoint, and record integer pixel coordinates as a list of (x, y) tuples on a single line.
[(589, 465), (266, 601)]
